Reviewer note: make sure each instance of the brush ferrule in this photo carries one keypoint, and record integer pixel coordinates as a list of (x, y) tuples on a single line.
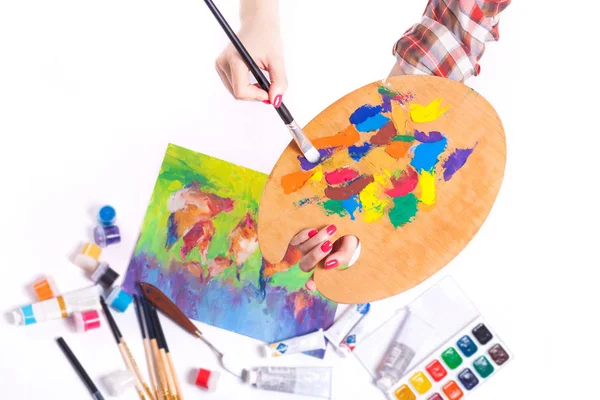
[(307, 148)]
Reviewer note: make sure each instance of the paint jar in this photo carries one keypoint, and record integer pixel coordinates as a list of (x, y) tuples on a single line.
[(119, 382), (86, 320), (306, 381), (412, 333), (340, 328), (58, 307), (119, 299), (107, 215), (207, 379), (87, 258), (45, 289), (107, 235), (299, 344), (104, 275)]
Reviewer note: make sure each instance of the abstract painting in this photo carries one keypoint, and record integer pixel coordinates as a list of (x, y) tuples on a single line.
[(199, 245)]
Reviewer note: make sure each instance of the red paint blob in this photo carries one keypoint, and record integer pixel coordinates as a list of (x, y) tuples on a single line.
[(436, 370), (341, 175), (404, 184)]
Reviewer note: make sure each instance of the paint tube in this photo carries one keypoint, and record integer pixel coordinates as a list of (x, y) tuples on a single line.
[(305, 381), (366, 327), (59, 307), (299, 344), (340, 328), (412, 333)]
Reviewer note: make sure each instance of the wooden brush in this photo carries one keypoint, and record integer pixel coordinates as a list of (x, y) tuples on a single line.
[(126, 354), (164, 304), (158, 364), (144, 330), (169, 366)]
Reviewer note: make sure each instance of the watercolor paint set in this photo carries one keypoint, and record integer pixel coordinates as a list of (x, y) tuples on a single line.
[(456, 368), (439, 348)]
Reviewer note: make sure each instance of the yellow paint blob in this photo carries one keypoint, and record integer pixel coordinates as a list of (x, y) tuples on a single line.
[(427, 186), (428, 113), (373, 205), (420, 382), (404, 393), (399, 118), (318, 175)]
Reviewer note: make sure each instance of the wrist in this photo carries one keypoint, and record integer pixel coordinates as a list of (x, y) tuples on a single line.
[(259, 13)]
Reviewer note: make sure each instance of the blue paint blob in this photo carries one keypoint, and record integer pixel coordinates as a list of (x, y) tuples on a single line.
[(358, 152), (467, 346), (426, 155), (325, 154), (372, 124), (351, 205), (282, 348), (363, 113), (363, 308), (468, 379), (351, 339)]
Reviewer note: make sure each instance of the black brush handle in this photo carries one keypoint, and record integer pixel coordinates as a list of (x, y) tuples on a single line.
[(78, 368), (264, 83)]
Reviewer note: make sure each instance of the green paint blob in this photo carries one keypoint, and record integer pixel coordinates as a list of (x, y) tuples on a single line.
[(405, 209), (334, 207), (451, 358), (385, 91), (403, 138)]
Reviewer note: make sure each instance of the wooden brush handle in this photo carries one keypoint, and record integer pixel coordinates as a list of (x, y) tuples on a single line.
[(138, 386), (160, 370), (137, 371), (170, 381), (151, 370), (175, 378)]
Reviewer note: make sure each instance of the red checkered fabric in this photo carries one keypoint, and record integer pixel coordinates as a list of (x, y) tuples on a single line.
[(450, 39)]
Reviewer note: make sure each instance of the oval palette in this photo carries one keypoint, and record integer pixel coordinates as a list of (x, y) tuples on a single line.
[(411, 165)]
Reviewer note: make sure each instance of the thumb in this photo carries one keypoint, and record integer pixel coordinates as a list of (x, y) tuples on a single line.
[(279, 81)]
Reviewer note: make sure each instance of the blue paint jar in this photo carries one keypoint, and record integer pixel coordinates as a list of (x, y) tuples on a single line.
[(107, 216), (106, 235), (119, 299)]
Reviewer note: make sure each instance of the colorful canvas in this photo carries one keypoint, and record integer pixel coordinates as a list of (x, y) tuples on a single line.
[(345, 189), (199, 245)]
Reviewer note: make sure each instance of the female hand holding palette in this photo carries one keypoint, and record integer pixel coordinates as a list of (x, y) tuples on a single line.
[(410, 165)]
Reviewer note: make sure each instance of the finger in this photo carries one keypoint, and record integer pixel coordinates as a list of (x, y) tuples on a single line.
[(224, 78), (313, 257), (321, 236), (303, 236), (310, 285), (240, 82), (343, 250), (279, 81)]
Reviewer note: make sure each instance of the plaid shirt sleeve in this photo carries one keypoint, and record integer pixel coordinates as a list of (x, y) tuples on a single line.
[(450, 39)]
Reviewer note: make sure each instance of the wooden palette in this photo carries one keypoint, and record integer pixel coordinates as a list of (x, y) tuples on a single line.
[(393, 258)]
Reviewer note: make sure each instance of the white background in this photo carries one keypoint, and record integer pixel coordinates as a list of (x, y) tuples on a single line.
[(92, 92)]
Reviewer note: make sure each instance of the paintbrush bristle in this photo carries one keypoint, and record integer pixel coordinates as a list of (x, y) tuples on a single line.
[(312, 155)]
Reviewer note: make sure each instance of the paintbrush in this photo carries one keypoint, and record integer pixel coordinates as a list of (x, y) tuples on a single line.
[(158, 364), (79, 369), (144, 330), (126, 354), (307, 148), (172, 376), (164, 304)]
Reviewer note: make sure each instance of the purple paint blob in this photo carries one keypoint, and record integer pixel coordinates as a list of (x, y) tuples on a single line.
[(363, 113), (387, 104), (358, 152), (325, 154), (434, 136), (455, 161)]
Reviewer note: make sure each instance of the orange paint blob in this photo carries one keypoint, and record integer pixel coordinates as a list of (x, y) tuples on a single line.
[(398, 149), (295, 181), (345, 138)]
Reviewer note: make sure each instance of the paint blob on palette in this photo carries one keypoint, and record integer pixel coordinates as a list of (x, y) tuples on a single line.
[(457, 367), (348, 182), (199, 245)]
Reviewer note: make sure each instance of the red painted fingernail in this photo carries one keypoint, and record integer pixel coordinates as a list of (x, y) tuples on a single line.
[(312, 233), (277, 101), (331, 229), (325, 247), (331, 264), (266, 101)]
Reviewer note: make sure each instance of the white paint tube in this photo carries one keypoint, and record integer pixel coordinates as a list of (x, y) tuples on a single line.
[(299, 344), (412, 333), (306, 381), (366, 327), (340, 328)]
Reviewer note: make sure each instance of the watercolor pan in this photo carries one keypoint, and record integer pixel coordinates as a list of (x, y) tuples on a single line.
[(457, 367)]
